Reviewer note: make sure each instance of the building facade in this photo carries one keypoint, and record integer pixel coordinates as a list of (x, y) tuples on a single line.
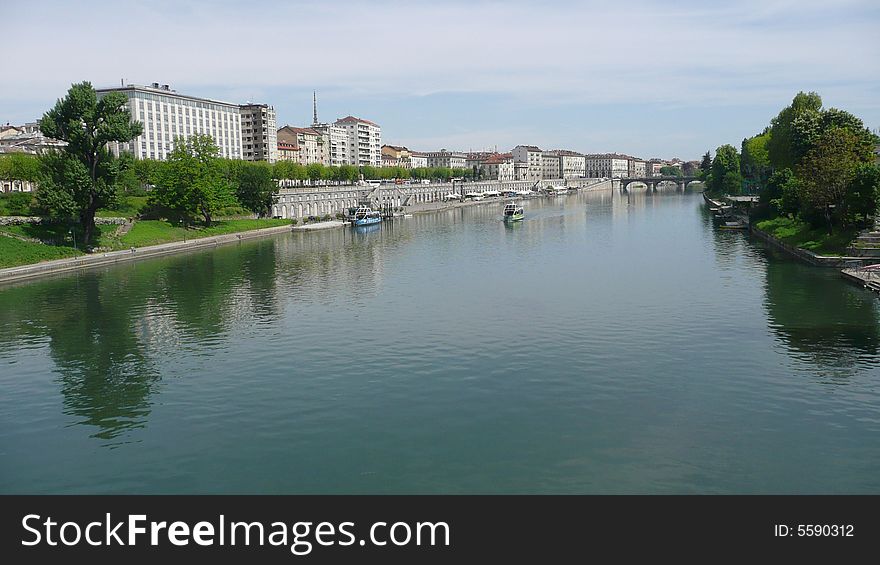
[(259, 140), (449, 159), (337, 143), (499, 166), (637, 168), (608, 165), (418, 160), (364, 141), (302, 145), (571, 164), (167, 114), (531, 157), (550, 165)]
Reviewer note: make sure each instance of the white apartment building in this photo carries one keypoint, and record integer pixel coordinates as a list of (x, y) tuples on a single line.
[(259, 141), (637, 168), (499, 166), (364, 141), (532, 157), (571, 164), (337, 137), (167, 114), (449, 159), (609, 165), (550, 165), (418, 160)]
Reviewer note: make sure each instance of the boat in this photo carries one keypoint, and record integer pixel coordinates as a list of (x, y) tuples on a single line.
[(365, 216), (555, 190), (734, 225), (513, 212), (524, 193)]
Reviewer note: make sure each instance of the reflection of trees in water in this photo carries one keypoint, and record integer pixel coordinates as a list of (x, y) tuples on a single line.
[(832, 324), (105, 328)]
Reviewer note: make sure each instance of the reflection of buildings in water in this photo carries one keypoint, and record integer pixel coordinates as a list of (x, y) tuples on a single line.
[(822, 319)]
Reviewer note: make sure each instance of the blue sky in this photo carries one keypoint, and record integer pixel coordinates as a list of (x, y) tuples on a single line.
[(653, 79)]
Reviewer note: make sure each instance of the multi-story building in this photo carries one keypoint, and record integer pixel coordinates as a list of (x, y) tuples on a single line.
[(637, 168), (499, 166), (26, 138), (449, 159), (571, 164), (364, 141), (531, 156), (608, 165), (259, 140), (302, 145), (549, 165), (337, 143), (167, 115), (418, 160), (653, 167)]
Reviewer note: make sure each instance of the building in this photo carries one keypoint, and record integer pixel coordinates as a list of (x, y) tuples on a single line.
[(499, 166), (302, 145), (26, 139), (607, 165), (364, 141), (550, 165), (448, 159), (531, 157), (637, 168), (572, 165), (259, 140), (418, 160), (167, 114)]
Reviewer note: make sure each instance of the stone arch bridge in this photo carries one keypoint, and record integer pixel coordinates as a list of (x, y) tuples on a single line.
[(681, 183)]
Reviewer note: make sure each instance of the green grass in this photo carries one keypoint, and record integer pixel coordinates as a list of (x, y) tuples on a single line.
[(128, 207), (14, 252), (800, 234), (154, 232)]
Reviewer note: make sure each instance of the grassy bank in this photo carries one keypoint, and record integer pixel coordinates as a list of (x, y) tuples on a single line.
[(800, 234), (14, 252), (56, 241)]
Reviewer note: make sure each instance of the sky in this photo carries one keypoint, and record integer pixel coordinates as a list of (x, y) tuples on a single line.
[(651, 79)]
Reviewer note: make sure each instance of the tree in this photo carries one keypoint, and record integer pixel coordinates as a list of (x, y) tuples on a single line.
[(782, 147), (706, 165), (827, 171), (88, 125), (864, 191), (754, 162), (255, 188), (781, 192), (724, 177), (191, 182), (670, 171)]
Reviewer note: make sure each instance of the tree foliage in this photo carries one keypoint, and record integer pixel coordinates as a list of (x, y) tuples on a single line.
[(670, 171), (724, 176), (255, 188), (192, 182), (784, 146), (82, 177), (754, 162)]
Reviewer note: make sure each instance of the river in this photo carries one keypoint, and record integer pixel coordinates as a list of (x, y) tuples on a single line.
[(609, 343)]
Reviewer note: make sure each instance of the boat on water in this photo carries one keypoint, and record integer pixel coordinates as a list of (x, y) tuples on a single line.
[(513, 212), (734, 225), (555, 190), (365, 216)]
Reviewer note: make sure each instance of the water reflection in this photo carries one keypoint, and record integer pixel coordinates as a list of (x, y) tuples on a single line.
[(831, 324)]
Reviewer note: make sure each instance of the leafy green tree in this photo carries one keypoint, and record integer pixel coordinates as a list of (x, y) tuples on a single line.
[(255, 188), (670, 171), (864, 191), (191, 182), (82, 177), (706, 165), (827, 171), (781, 192), (783, 146), (754, 162), (724, 177), (19, 167)]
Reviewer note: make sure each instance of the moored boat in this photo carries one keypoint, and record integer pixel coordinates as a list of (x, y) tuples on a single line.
[(365, 216)]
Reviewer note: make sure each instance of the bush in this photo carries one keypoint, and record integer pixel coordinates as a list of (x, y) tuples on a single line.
[(294, 221), (339, 215), (326, 218), (16, 204)]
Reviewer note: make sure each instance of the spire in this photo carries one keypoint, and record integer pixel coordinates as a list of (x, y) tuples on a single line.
[(314, 108)]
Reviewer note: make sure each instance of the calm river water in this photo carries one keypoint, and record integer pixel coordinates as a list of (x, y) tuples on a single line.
[(607, 344)]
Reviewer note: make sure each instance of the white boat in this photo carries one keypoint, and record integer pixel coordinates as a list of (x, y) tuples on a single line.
[(490, 193), (365, 216), (525, 193), (452, 196), (513, 212)]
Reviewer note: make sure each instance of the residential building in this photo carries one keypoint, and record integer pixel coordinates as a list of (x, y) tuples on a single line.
[(607, 165), (259, 140), (449, 159), (364, 141), (337, 143), (167, 114), (499, 166), (571, 164), (531, 156), (26, 138), (637, 168), (418, 160), (302, 145), (550, 165)]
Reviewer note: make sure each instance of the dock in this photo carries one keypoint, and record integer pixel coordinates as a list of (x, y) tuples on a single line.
[(867, 276)]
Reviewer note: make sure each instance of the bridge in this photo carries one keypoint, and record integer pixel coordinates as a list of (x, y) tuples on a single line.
[(653, 183)]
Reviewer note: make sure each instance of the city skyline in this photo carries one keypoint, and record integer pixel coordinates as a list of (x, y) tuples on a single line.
[(639, 78)]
